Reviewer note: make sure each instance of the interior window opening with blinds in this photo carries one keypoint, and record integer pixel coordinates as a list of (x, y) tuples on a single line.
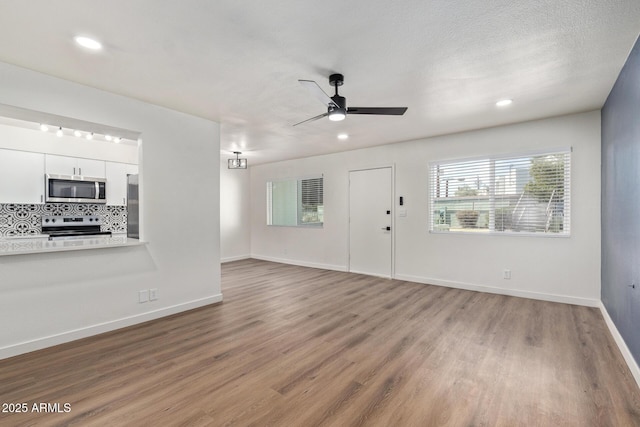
[(511, 194), (296, 202)]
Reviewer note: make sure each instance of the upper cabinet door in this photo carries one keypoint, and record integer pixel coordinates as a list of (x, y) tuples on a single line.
[(116, 183), (21, 177), (63, 165), (132, 169), (92, 168)]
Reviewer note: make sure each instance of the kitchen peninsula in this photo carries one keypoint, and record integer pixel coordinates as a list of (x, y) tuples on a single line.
[(21, 246)]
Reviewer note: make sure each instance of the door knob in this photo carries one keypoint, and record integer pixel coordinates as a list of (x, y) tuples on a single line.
[(386, 228)]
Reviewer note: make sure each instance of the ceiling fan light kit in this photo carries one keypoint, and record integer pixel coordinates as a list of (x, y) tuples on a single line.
[(337, 109), (336, 114)]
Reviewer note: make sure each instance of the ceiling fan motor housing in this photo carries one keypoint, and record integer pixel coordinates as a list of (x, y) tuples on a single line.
[(340, 101), (337, 114)]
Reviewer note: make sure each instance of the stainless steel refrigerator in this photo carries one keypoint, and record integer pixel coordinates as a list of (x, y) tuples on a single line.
[(133, 207)]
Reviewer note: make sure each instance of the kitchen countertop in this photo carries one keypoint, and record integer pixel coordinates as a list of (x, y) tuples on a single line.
[(33, 245)]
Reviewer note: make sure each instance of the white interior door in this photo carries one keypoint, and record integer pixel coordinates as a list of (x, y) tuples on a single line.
[(370, 231)]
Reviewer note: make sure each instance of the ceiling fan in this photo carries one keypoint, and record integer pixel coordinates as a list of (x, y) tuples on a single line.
[(337, 105)]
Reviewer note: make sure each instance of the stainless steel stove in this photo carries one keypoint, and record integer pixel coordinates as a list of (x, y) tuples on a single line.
[(72, 227)]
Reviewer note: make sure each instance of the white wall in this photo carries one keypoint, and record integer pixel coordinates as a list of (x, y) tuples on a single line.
[(235, 204), (50, 298), (558, 269)]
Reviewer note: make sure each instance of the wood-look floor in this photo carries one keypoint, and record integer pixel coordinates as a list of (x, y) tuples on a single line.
[(293, 346)]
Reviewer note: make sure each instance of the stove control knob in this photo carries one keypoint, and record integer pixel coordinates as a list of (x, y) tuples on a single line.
[(53, 220), (90, 219), (46, 220)]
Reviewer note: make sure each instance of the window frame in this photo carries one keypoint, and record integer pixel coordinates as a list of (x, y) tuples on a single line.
[(491, 230), (298, 202)]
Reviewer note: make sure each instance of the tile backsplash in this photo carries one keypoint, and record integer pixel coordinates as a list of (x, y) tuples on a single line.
[(25, 219)]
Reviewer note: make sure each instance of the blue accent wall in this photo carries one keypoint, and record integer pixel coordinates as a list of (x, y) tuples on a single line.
[(621, 203)]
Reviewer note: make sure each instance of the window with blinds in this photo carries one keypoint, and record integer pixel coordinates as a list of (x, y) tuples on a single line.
[(296, 202), (512, 194)]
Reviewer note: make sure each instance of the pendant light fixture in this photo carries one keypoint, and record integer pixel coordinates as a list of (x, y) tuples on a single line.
[(237, 163)]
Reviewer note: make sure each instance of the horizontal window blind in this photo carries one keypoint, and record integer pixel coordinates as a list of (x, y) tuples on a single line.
[(519, 193), (311, 207)]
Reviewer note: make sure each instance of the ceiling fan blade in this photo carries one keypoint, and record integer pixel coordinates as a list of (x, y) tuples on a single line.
[(312, 119), (383, 111), (317, 91)]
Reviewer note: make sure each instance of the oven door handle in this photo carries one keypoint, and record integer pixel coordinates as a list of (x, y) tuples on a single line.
[(97, 190)]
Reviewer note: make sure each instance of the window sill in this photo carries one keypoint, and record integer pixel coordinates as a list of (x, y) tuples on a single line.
[(479, 232), (317, 226)]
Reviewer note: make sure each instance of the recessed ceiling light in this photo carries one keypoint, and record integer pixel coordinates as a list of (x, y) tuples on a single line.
[(343, 136), (504, 102), (77, 133), (89, 136), (88, 43), (44, 127), (59, 132)]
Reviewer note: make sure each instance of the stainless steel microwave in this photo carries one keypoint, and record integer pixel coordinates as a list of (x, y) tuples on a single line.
[(75, 189)]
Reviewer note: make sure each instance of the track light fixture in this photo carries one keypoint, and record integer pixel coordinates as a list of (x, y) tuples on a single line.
[(59, 131)]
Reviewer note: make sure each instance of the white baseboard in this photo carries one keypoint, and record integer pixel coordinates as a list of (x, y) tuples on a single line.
[(234, 258), (588, 302), (370, 274), (40, 343), (628, 357), (300, 263), (502, 291)]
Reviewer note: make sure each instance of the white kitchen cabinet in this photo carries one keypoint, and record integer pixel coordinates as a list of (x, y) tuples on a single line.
[(94, 168), (21, 177), (117, 181), (132, 169), (63, 165)]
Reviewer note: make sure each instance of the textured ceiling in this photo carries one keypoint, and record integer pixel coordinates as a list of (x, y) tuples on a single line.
[(238, 62)]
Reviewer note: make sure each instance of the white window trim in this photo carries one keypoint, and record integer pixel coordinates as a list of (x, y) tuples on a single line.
[(269, 205), (491, 231)]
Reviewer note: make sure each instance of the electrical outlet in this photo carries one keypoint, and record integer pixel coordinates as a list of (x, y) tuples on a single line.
[(506, 274), (153, 294), (143, 296)]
